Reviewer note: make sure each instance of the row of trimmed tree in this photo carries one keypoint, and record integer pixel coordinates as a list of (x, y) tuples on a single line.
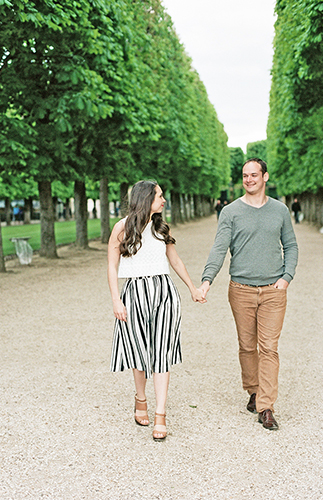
[(294, 145), (99, 92), (295, 125)]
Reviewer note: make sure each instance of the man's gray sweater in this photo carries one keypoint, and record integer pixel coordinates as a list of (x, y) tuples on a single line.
[(261, 240)]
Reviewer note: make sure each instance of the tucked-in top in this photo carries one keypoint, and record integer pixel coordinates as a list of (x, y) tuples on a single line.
[(150, 260)]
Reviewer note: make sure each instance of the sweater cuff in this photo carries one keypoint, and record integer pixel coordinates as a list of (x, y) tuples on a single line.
[(287, 277), (205, 278)]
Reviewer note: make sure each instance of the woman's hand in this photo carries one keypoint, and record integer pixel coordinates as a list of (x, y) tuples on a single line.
[(197, 295), (119, 310)]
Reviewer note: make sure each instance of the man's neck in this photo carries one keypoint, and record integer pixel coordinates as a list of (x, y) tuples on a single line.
[(255, 200)]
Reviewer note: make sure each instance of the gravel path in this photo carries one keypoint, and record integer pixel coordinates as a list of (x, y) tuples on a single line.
[(67, 429)]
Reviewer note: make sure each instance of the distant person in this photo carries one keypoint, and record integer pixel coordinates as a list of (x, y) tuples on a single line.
[(148, 316), (15, 213), (218, 208), (256, 227), (296, 208)]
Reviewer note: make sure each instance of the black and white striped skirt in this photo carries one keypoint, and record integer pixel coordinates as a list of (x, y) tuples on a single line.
[(150, 338)]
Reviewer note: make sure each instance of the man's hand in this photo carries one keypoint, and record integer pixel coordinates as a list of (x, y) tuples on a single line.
[(205, 287), (281, 284), (197, 296)]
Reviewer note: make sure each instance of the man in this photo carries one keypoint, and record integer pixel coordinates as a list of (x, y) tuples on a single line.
[(218, 208), (259, 233), (296, 208)]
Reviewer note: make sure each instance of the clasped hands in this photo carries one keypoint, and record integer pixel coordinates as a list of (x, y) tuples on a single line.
[(199, 294)]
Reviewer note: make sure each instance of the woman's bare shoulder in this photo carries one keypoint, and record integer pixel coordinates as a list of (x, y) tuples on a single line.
[(120, 224), (118, 228)]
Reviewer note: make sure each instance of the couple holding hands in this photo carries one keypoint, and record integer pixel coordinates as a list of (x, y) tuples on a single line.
[(258, 231)]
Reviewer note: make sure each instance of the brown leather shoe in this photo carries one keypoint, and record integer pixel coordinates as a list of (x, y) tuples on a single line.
[(266, 418), (251, 406)]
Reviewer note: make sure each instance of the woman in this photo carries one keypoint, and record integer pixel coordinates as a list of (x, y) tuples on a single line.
[(147, 327)]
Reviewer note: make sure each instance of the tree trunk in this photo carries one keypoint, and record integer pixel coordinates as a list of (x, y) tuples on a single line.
[(47, 227), (55, 207), (81, 214), (189, 206), (27, 210), (185, 211), (176, 216), (8, 211), (67, 209), (197, 206), (94, 212), (205, 206), (202, 205), (124, 202), (105, 213), (2, 264), (202, 202)]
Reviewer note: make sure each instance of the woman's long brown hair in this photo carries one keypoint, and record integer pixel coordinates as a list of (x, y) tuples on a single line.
[(141, 198)]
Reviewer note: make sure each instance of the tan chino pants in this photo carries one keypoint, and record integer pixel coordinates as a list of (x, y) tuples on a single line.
[(259, 315)]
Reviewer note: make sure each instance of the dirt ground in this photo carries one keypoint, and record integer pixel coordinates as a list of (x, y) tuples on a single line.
[(66, 423)]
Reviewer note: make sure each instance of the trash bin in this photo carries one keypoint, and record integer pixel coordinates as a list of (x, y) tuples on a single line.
[(23, 250)]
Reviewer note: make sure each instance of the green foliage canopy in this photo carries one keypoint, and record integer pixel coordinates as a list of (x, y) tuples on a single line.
[(104, 88), (257, 149), (236, 162), (294, 131)]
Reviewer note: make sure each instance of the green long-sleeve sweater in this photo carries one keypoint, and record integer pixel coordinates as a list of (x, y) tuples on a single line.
[(261, 240)]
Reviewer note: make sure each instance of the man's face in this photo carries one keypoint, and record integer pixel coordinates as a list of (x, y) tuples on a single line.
[(253, 180)]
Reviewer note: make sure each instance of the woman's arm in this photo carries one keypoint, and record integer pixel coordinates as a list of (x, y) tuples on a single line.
[(119, 309), (180, 269)]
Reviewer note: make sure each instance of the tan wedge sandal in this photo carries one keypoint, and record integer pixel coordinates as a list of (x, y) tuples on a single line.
[(141, 411), (159, 427)]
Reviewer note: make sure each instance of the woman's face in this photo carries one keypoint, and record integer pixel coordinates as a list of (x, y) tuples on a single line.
[(158, 203)]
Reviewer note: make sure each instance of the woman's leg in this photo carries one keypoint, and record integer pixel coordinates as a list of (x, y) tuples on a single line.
[(141, 416), (161, 381), (140, 383)]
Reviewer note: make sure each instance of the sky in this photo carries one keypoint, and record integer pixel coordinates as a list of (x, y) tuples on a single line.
[(231, 46)]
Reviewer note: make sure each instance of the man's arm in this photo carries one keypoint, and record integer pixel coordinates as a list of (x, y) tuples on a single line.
[(290, 248), (219, 249)]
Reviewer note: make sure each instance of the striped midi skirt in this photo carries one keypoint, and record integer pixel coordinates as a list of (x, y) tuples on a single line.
[(150, 338)]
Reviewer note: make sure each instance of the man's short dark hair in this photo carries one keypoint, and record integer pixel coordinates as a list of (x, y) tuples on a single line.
[(260, 162)]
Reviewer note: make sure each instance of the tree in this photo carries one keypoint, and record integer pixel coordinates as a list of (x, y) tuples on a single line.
[(236, 162), (16, 149), (15, 186), (190, 155), (257, 149), (105, 213), (111, 96), (63, 191), (2, 263), (63, 71), (294, 130)]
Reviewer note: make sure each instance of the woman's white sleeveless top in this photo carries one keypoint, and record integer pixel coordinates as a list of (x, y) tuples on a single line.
[(150, 259)]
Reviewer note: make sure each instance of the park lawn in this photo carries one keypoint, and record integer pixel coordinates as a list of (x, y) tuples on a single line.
[(65, 233)]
